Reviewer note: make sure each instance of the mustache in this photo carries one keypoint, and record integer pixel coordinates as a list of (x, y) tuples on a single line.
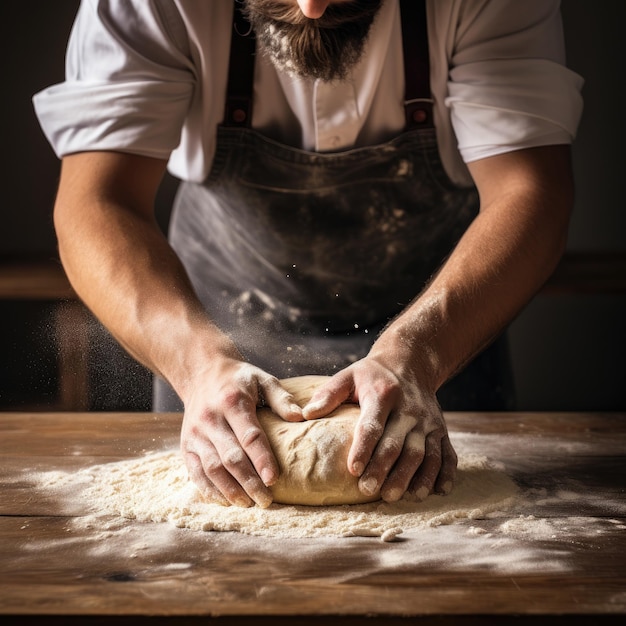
[(335, 15)]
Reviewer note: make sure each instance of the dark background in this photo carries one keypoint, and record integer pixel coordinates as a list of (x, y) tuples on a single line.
[(568, 349)]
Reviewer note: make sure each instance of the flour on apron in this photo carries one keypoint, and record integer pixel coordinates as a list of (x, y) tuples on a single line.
[(302, 258)]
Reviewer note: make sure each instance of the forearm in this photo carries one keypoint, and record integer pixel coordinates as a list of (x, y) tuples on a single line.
[(499, 264), (122, 267)]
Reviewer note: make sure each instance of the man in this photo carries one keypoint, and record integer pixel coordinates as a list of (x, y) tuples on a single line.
[(324, 223)]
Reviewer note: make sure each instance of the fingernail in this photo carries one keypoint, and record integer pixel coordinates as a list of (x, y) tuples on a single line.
[(368, 486), (422, 493), (263, 500), (268, 476), (311, 408), (393, 495), (358, 468)]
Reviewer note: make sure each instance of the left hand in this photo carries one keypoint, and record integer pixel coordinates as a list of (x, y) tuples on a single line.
[(401, 442)]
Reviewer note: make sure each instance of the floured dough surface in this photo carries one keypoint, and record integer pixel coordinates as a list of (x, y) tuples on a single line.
[(313, 455)]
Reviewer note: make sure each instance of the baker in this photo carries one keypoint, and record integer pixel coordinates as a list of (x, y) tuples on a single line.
[(370, 190)]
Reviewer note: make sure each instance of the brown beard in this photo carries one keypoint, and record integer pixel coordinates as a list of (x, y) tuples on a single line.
[(325, 48)]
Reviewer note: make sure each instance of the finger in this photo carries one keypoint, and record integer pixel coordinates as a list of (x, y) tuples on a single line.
[(447, 474), (244, 449), (225, 463), (278, 399), (339, 389), (423, 482), (208, 473), (410, 459), (199, 478), (239, 468), (367, 435), (258, 452), (257, 468), (385, 455)]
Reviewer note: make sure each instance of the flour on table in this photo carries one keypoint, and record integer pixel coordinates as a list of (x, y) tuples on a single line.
[(156, 488), (313, 460)]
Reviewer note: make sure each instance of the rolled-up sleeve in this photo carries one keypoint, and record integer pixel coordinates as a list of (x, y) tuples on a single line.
[(128, 82), (509, 87)]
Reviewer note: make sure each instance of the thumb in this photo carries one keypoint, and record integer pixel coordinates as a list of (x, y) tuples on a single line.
[(280, 400), (329, 396)]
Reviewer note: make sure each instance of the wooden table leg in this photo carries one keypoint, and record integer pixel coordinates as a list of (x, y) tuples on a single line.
[(72, 336)]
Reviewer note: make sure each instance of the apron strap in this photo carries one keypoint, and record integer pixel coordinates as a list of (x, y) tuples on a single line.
[(238, 110), (418, 104)]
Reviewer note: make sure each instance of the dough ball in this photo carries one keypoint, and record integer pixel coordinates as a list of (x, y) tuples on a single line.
[(312, 455)]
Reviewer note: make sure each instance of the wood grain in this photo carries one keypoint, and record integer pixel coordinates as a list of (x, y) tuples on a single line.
[(54, 568)]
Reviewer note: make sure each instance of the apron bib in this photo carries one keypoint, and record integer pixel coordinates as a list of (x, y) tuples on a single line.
[(302, 258)]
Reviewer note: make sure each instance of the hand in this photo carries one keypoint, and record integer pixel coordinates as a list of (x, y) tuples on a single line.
[(400, 442), (226, 451)]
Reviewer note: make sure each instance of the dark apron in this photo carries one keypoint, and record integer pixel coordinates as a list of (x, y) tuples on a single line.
[(302, 258)]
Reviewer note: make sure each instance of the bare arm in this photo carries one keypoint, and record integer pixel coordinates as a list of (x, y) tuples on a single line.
[(115, 255), (505, 256), (125, 271)]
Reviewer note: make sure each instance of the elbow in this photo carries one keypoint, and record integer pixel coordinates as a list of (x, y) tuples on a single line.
[(64, 224)]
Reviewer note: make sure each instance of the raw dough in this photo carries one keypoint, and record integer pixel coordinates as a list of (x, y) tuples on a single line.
[(312, 455), (156, 488)]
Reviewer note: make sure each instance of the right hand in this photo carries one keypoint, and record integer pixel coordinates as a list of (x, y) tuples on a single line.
[(401, 442), (227, 453)]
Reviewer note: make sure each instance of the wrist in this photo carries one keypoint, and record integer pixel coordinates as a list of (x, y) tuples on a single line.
[(419, 343), (410, 355), (199, 357)]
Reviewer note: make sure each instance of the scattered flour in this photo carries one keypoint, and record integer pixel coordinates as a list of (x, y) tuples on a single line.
[(539, 523), (156, 488)]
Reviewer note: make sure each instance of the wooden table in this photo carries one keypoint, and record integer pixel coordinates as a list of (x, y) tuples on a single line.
[(573, 466)]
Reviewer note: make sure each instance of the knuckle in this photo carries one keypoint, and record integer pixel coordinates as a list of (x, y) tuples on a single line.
[(433, 452), (270, 381), (391, 447), (196, 425), (371, 429), (251, 436), (386, 389), (414, 454), (194, 469), (212, 466), (252, 485), (435, 445), (232, 399), (233, 457)]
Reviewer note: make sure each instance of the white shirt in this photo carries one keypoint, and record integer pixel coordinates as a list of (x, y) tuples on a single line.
[(149, 77)]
